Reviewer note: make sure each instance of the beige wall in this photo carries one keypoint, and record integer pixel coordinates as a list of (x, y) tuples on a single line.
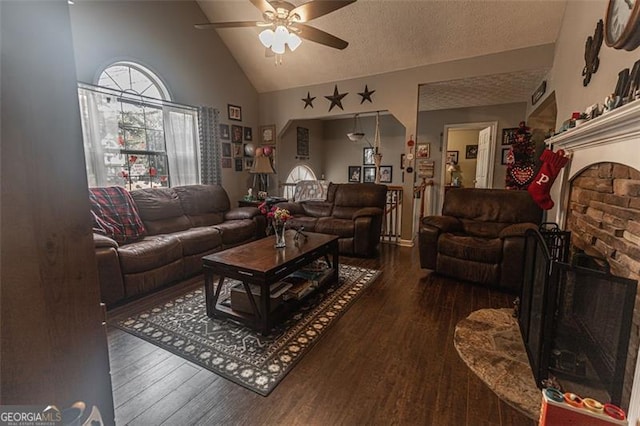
[(287, 150), (565, 78), (396, 92), (195, 65), (431, 125)]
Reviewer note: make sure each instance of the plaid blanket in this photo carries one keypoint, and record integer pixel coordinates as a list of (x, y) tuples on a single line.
[(115, 214)]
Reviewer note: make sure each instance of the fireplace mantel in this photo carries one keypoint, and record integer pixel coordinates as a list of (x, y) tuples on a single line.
[(613, 137)]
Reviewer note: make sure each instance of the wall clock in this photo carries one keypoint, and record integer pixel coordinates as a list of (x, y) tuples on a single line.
[(622, 24)]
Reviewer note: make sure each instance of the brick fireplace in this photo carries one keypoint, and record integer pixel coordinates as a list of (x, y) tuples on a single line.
[(598, 198)]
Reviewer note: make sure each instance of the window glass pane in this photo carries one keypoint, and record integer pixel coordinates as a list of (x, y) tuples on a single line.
[(153, 118), (135, 139), (115, 77), (140, 83), (155, 140), (132, 114)]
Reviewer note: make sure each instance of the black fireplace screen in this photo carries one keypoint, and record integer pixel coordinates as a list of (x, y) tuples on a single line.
[(575, 322)]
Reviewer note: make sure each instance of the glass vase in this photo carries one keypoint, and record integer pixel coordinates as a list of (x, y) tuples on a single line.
[(278, 229)]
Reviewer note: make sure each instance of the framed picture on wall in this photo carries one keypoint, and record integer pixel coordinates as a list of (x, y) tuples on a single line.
[(471, 152), (248, 163), (302, 143), (386, 173), (226, 149), (226, 163), (238, 164), (369, 174), (248, 134), (505, 156), (367, 156), (423, 150), (235, 112), (268, 134), (224, 132), (509, 135), (452, 157), (354, 174), (237, 150), (236, 134)]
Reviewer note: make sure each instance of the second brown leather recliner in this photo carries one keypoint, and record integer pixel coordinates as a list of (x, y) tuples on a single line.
[(480, 236)]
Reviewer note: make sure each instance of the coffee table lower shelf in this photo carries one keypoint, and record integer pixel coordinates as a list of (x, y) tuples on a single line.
[(272, 265)]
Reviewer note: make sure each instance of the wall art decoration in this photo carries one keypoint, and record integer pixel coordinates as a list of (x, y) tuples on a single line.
[(234, 112), (308, 101), (238, 164), (336, 98), (226, 163), (248, 163), (268, 134), (452, 157), (236, 134), (354, 174), (509, 135), (248, 134), (366, 95), (369, 174), (505, 155), (425, 169), (224, 132), (237, 150), (386, 174), (367, 156), (539, 92), (591, 52), (621, 29), (471, 152), (423, 150), (402, 162), (226, 149), (302, 143)]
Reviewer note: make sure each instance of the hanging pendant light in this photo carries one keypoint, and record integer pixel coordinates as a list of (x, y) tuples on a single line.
[(357, 133)]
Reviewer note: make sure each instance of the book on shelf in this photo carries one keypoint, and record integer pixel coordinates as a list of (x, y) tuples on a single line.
[(238, 300)]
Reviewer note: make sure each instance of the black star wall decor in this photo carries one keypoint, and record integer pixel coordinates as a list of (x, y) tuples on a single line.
[(308, 101), (336, 98), (366, 95)]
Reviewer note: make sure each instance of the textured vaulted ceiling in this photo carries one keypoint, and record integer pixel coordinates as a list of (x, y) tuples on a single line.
[(388, 35)]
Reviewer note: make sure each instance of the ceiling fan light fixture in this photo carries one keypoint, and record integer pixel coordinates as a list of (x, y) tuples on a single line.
[(294, 41), (266, 37), (281, 36)]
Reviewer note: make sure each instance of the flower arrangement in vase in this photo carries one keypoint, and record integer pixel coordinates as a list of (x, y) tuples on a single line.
[(277, 218)]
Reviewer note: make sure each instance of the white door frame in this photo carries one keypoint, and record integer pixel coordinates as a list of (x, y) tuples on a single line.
[(491, 157)]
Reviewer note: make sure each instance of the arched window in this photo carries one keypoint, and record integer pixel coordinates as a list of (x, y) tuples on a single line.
[(134, 136), (297, 174), (132, 78)]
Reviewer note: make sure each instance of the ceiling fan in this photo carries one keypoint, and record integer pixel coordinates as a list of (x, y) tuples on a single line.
[(284, 24)]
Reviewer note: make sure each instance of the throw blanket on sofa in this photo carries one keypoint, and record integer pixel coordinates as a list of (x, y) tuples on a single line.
[(115, 214)]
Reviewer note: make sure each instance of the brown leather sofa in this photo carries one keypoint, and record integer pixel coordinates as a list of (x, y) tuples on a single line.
[(182, 225), (353, 211), (480, 236)]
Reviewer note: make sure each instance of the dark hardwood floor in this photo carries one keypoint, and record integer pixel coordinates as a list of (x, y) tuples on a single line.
[(390, 359)]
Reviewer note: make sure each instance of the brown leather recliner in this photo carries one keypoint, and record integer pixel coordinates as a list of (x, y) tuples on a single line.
[(480, 236)]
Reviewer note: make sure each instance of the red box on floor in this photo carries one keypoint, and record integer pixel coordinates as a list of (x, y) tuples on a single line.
[(553, 413)]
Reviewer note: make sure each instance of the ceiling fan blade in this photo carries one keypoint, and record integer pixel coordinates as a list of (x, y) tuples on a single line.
[(263, 6), (319, 36), (214, 25), (317, 8)]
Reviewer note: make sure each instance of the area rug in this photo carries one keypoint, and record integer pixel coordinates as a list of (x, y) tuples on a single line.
[(236, 352), (489, 342)]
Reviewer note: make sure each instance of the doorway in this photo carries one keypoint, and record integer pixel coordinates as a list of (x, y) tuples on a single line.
[(469, 153)]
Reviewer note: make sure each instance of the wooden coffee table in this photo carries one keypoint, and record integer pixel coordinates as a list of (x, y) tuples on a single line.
[(260, 263)]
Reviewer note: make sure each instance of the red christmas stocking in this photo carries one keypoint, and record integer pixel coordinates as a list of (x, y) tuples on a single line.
[(552, 163)]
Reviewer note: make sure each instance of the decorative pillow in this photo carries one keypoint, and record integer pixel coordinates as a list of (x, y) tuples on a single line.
[(115, 214)]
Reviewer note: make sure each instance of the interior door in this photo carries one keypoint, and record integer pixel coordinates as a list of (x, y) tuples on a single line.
[(483, 159)]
